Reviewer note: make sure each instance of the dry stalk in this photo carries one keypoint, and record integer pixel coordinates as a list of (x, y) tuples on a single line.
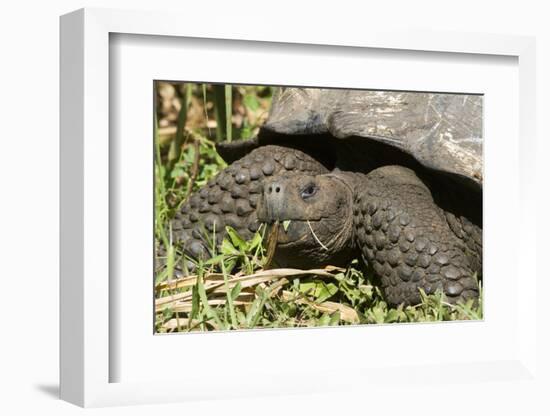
[(272, 238), (213, 284), (347, 313)]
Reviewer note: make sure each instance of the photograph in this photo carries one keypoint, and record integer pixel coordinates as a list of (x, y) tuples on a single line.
[(297, 207)]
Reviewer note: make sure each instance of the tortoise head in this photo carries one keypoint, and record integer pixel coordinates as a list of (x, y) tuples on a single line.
[(314, 216)]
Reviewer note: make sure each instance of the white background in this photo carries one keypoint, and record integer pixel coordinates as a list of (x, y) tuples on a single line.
[(29, 174)]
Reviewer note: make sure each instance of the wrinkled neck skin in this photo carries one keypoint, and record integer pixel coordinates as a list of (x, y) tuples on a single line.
[(320, 231)]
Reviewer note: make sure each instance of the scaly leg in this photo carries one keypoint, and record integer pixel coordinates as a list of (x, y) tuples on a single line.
[(408, 239)]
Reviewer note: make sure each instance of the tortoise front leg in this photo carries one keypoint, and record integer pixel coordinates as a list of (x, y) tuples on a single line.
[(232, 196), (407, 240)]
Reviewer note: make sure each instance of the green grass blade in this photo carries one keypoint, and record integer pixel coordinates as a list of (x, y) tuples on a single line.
[(229, 297), (205, 102), (211, 313), (219, 111), (255, 312), (188, 93), (160, 190), (228, 112), (223, 108), (180, 129)]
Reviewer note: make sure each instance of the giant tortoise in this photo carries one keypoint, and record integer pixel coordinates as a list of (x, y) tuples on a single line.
[(392, 178)]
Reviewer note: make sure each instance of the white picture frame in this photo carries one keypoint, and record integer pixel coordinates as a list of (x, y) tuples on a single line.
[(86, 350)]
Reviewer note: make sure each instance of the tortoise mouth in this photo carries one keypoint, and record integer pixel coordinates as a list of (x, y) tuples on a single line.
[(294, 232), (302, 246), (272, 222)]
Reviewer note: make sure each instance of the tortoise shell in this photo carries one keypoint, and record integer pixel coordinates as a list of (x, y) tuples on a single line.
[(441, 131)]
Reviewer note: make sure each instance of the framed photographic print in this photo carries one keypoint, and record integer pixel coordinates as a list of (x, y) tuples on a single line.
[(330, 207), (330, 223)]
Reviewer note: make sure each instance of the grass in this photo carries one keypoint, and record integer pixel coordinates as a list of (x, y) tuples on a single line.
[(236, 289)]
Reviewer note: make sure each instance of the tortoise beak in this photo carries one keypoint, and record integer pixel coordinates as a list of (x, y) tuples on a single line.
[(273, 201)]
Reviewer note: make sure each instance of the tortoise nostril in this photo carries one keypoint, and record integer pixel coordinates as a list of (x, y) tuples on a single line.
[(274, 189)]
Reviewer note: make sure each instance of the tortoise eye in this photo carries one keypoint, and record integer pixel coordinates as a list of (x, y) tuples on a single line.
[(309, 191)]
